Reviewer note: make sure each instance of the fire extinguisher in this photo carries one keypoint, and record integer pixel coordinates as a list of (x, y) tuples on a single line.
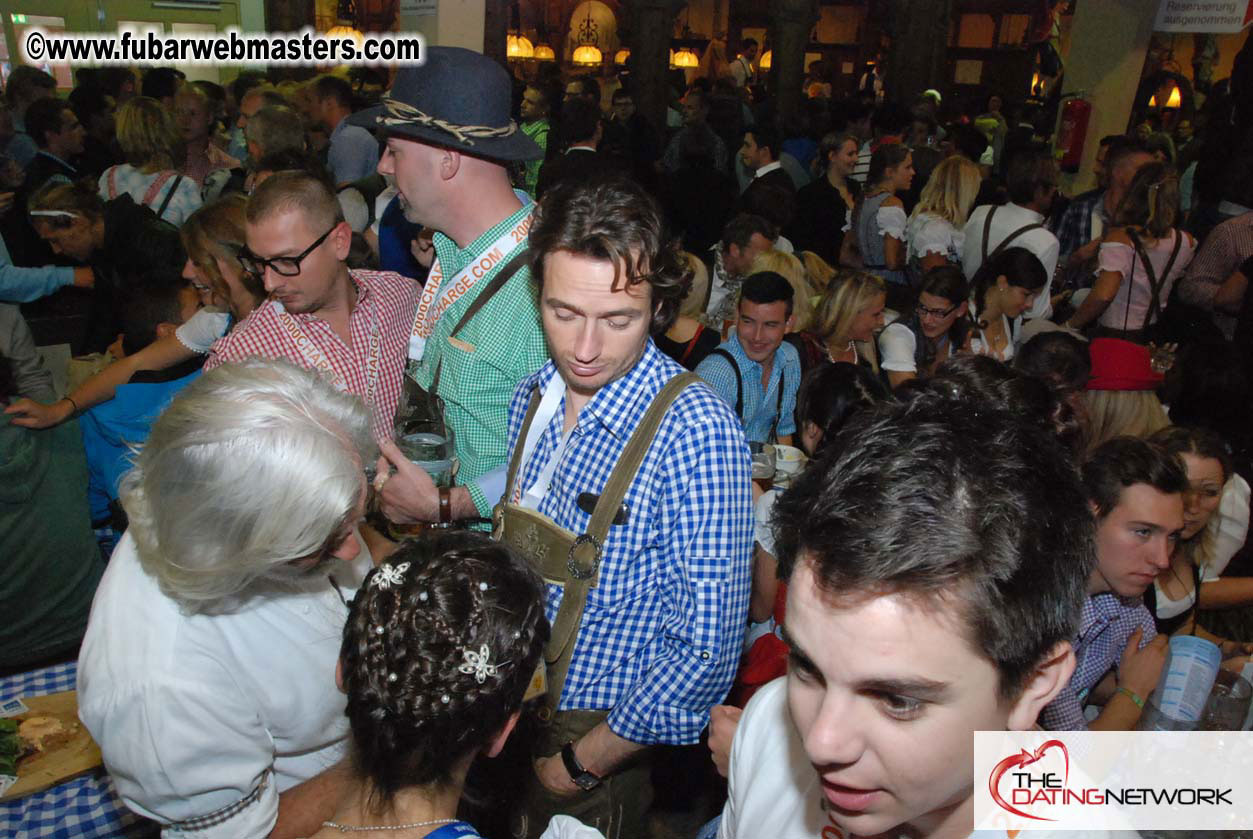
[(1072, 131)]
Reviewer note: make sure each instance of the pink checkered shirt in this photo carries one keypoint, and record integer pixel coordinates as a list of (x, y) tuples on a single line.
[(394, 297)]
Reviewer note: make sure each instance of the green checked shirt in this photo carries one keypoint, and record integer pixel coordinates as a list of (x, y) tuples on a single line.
[(499, 347), (537, 131)]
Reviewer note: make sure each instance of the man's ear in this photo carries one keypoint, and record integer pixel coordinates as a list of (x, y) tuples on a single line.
[(502, 736), (449, 164), (1050, 677), (339, 675), (164, 330), (961, 310), (342, 237)]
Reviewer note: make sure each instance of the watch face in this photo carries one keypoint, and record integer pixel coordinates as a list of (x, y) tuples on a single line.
[(583, 779)]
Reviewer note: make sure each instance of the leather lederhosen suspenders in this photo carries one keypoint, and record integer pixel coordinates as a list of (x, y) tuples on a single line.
[(987, 231), (560, 556), (739, 394), (1140, 334), (1155, 282)]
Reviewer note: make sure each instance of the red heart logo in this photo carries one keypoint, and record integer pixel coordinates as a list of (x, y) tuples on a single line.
[(1025, 758)]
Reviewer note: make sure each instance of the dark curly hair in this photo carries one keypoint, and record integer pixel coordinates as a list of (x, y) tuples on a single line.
[(413, 712), (1058, 358), (832, 393), (613, 219), (1033, 399)]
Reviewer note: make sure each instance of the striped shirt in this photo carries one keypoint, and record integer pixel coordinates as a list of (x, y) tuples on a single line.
[(862, 170), (1226, 246), (1108, 622), (661, 632), (384, 295), (500, 346)]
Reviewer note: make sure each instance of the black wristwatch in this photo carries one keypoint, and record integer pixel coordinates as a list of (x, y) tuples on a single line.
[(583, 779)]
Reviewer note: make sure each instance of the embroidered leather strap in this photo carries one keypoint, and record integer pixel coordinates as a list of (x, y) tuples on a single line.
[(583, 564)]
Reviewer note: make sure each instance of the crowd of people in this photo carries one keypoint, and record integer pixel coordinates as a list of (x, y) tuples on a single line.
[(1021, 421)]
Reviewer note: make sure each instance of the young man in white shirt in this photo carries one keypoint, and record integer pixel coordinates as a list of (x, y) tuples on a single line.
[(936, 564), (1022, 223)]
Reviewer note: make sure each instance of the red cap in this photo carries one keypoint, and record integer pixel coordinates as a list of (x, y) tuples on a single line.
[(1121, 365)]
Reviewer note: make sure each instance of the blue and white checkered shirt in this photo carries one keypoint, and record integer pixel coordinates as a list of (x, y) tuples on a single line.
[(1107, 624), (760, 406), (1074, 230), (661, 632)]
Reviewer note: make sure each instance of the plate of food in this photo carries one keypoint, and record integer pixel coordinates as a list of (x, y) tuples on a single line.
[(45, 745)]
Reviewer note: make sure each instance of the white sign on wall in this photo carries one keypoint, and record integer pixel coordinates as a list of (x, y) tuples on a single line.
[(418, 7), (1203, 15)]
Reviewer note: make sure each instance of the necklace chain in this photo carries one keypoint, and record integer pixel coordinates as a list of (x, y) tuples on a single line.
[(348, 828)]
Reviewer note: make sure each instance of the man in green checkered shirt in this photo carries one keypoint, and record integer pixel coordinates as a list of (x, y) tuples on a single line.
[(449, 137)]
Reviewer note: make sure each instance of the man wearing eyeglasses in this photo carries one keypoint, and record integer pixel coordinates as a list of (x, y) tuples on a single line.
[(352, 326)]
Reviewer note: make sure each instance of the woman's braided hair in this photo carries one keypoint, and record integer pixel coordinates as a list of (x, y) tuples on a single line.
[(414, 712)]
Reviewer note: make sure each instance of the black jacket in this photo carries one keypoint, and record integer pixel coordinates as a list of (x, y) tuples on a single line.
[(772, 196), (821, 214), (137, 245), (575, 165)]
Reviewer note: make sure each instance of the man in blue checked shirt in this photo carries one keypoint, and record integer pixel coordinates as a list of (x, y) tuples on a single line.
[(1136, 490), (629, 487), (755, 370)]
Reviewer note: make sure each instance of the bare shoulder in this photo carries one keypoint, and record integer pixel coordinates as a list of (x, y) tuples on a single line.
[(1119, 236)]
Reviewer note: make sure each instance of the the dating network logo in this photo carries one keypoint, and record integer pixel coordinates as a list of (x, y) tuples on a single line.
[(1033, 785), (1113, 780), (1022, 780)]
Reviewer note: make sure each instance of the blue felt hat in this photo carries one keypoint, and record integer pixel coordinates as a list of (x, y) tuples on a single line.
[(459, 99)]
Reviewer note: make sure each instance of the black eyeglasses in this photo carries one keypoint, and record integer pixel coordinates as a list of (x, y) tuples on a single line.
[(938, 314), (284, 266)]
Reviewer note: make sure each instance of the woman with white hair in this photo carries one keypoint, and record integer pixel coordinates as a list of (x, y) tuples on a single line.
[(207, 674)]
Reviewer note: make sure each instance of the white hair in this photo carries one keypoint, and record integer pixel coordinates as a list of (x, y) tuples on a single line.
[(252, 466)]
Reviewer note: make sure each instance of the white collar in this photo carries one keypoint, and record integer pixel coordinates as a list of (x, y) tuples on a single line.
[(1020, 208), (581, 148), (769, 167)]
